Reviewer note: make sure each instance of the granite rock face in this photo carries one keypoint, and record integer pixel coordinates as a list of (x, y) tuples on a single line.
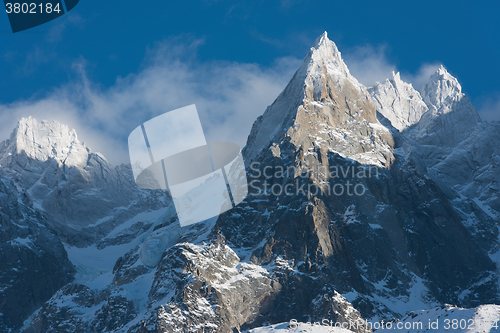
[(398, 239)]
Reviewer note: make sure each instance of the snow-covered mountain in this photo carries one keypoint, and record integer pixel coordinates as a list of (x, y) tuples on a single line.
[(323, 107), (399, 104), (364, 204), (451, 115), (63, 178)]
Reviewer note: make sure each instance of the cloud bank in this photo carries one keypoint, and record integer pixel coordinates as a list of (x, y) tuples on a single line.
[(422, 75), (369, 64)]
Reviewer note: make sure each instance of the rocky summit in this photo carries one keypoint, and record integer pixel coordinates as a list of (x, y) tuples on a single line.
[(364, 204)]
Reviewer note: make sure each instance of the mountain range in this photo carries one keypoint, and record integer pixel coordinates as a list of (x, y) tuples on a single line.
[(365, 203)]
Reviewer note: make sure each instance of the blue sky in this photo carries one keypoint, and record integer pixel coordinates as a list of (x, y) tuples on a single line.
[(107, 66)]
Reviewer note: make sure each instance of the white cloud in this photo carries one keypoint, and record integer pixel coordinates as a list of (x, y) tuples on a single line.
[(422, 76), (229, 97), (369, 64), (489, 109)]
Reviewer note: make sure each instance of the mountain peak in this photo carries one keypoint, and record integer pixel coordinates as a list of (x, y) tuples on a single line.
[(396, 76), (450, 114), (441, 70), (442, 75), (322, 39), (43, 140), (441, 90), (325, 52), (396, 79), (322, 98), (398, 102)]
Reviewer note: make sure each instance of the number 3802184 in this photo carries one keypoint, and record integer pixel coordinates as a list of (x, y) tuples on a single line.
[(31, 8)]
